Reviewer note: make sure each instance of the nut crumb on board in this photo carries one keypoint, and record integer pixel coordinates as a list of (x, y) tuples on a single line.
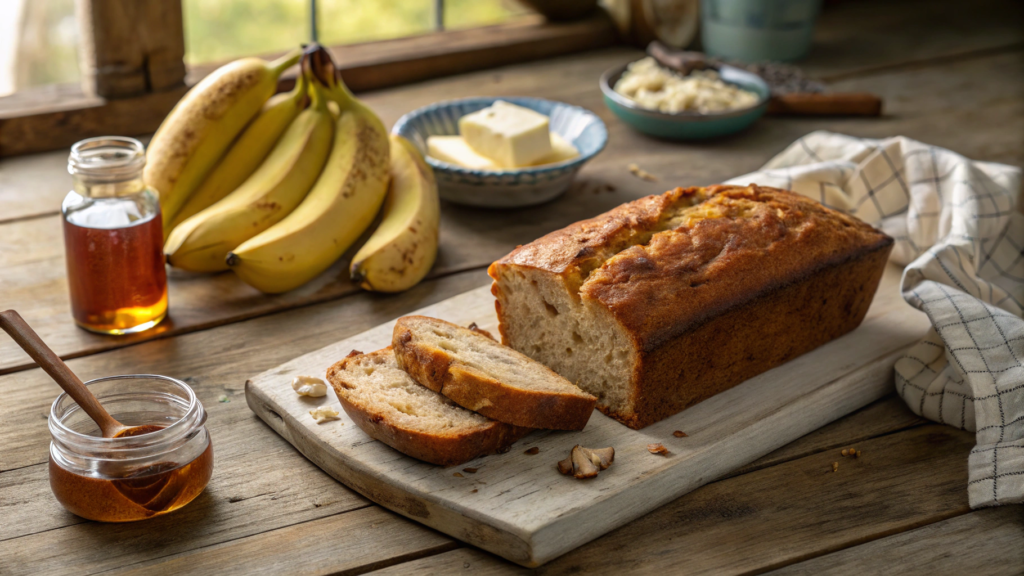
[(680, 434), (309, 386), (586, 462), (641, 173), (532, 451), (835, 466), (470, 470), (324, 414), (458, 475), (657, 449)]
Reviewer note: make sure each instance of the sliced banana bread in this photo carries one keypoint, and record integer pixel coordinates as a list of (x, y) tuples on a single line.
[(668, 300), (392, 408), (485, 376)]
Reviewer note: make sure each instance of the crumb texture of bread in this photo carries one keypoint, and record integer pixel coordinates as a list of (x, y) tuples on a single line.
[(483, 375), (387, 404), (664, 301)]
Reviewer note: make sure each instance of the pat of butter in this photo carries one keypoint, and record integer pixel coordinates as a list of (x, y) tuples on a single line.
[(509, 135), (561, 150), (454, 150)]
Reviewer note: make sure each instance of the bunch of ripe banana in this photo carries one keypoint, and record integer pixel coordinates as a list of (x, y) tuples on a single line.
[(278, 188)]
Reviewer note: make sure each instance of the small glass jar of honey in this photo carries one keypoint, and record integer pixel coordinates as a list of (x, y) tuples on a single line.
[(113, 239), (137, 476)]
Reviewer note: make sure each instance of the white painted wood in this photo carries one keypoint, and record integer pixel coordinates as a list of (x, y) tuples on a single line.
[(518, 506)]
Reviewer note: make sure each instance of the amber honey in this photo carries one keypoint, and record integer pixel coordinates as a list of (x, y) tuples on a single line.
[(116, 277), (135, 494)]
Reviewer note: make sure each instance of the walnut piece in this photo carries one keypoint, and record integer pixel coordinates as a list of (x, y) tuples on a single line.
[(657, 449), (324, 414), (586, 462), (309, 386)]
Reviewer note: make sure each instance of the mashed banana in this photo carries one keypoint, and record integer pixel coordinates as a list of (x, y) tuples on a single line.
[(654, 87)]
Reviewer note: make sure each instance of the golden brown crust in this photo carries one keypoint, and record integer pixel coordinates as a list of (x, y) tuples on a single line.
[(470, 388), (445, 450), (700, 267)]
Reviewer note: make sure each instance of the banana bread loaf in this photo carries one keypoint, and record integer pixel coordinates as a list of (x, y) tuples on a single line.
[(665, 301)]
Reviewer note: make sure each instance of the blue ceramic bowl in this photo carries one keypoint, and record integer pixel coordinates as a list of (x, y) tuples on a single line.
[(506, 188), (688, 125)]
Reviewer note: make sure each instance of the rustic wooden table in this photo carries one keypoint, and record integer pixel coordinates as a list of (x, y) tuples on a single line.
[(950, 74)]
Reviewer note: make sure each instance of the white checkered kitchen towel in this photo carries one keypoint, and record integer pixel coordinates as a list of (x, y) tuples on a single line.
[(961, 239)]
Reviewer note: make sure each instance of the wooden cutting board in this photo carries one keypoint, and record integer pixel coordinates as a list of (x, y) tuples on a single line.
[(518, 506)]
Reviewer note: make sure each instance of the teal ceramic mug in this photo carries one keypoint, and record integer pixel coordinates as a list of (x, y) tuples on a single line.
[(758, 30)]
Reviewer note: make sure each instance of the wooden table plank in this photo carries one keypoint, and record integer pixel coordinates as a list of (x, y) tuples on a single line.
[(858, 37), (771, 517), (987, 542), (924, 104), (351, 543)]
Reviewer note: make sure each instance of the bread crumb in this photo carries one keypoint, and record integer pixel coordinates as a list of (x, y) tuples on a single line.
[(679, 434), (857, 454), (657, 449), (835, 466), (324, 414), (845, 452), (641, 173), (473, 491), (457, 475), (470, 470), (532, 451)]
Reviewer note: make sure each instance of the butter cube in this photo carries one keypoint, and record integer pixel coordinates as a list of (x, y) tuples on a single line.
[(510, 135), (561, 150), (454, 150)]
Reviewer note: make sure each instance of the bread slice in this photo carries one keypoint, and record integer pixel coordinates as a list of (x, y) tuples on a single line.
[(482, 375), (392, 408)]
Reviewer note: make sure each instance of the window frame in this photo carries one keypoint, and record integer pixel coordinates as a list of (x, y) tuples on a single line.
[(54, 117)]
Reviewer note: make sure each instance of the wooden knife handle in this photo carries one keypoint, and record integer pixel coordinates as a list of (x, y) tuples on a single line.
[(826, 104)]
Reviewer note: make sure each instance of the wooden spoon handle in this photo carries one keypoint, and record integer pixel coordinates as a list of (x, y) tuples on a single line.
[(826, 104), (26, 337)]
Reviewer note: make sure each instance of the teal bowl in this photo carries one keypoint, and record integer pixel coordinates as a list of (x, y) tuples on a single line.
[(688, 125)]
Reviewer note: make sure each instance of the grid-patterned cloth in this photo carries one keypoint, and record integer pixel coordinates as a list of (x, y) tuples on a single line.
[(961, 239)]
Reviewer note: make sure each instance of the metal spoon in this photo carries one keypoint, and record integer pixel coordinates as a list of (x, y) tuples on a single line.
[(26, 337)]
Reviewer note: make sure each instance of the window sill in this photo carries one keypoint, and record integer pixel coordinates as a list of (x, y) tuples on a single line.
[(54, 117)]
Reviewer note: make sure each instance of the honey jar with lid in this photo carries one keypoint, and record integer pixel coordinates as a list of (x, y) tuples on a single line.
[(156, 470)]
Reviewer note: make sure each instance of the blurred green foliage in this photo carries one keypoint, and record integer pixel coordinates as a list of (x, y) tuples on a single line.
[(223, 29), (218, 30)]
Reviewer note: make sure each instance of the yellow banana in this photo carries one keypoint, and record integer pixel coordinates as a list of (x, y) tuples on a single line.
[(339, 208), (246, 153), (199, 129), (403, 248), (202, 242)]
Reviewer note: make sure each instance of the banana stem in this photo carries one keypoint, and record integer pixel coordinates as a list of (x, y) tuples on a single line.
[(322, 70), (285, 62)]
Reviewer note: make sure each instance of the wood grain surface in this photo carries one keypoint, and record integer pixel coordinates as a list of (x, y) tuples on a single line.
[(948, 73)]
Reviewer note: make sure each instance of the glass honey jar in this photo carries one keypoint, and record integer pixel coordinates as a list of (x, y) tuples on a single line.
[(159, 468), (113, 239)]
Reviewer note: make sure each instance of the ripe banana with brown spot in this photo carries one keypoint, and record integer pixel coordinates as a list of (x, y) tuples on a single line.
[(246, 153), (403, 248), (339, 208), (202, 242), (198, 131)]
